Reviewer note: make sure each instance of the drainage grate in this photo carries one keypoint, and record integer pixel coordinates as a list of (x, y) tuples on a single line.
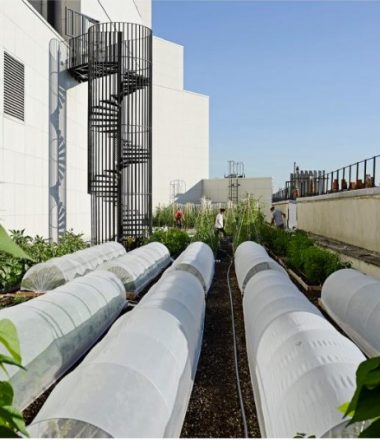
[(14, 87)]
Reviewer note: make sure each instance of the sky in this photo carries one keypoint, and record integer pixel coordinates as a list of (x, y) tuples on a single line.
[(288, 81)]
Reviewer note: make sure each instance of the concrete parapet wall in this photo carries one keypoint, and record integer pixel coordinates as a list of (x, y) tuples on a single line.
[(351, 217)]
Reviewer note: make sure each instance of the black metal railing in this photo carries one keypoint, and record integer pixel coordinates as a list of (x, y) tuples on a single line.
[(355, 176)]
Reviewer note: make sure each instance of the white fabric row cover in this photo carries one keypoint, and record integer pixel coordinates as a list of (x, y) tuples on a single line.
[(352, 299), (59, 270), (140, 266), (57, 328), (197, 259), (137, 381), (252, 258), (301, 367)]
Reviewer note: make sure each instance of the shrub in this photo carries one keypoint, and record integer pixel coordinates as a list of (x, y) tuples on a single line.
[(280, 243), (11, 271), (69, 243), (319, 263), (175, 240), (300, 253), (297, 245)]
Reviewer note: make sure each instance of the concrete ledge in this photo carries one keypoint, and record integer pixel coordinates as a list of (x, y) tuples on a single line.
[(365, 192)]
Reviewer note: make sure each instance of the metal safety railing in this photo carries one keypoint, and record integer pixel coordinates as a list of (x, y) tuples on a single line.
[(355, 176), (77, 24)]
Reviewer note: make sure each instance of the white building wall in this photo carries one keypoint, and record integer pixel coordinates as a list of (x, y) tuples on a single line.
[(180, 124), (78, 200), (117, 10), (180, 121), (24, 148)]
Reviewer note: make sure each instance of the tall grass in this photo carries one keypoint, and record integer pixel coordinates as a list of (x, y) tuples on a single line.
[(241, 221)]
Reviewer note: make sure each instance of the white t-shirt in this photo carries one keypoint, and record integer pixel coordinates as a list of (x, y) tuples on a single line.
[(219, 221)]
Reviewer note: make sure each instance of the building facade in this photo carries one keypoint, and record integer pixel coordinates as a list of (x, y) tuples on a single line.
[(44, 125), (218, 191)]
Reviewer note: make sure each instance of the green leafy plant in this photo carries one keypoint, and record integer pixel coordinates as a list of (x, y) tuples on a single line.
[(70, 242), (12, 246), (165, 215), (301, 254), (11, 420), (319, 263), (174, 239), (249, 220), (204, 226), (365, 403), (299, 241)]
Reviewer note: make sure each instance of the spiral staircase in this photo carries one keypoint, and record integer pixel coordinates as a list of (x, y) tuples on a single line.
[(116, 61)]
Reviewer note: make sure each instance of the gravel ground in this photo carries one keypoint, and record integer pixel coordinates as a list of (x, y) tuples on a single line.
[(214, 409)]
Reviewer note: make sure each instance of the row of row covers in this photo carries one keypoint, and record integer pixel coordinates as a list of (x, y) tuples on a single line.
[(135, 269), (57, 328), (302, 369), (137, 381)]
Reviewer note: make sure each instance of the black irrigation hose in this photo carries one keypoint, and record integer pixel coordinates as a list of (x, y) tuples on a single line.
[(241, 401)]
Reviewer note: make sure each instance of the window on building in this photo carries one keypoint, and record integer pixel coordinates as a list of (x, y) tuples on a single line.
[(14, 87)]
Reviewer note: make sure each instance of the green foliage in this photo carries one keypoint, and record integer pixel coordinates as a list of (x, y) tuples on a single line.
[(11, 420), (319, 263), (11, 247), (69, 243), (300, 253), (365, 404), (295, 253), (175, 240), (11, 271), (281, 242), (205, 230), (13, 268), (165, 215), (249, 221)]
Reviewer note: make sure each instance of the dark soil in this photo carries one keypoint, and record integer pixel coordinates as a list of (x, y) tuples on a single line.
[(18, 297), (32, 410), (214, 409)]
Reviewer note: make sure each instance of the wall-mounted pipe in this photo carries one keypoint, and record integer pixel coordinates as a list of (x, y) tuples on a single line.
[(197, 259), (301, 368), (58, 271), (352, 299), (57, 328), (252, 258), (137, 381)]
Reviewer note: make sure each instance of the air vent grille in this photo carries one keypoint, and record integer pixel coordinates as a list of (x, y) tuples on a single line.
[(14, 87)]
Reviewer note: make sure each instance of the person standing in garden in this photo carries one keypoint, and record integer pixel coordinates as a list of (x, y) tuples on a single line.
[(277, 218), (179, 217), (219, 223)]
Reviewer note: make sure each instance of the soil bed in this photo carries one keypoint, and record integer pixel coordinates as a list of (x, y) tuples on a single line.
[(214, 409)]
